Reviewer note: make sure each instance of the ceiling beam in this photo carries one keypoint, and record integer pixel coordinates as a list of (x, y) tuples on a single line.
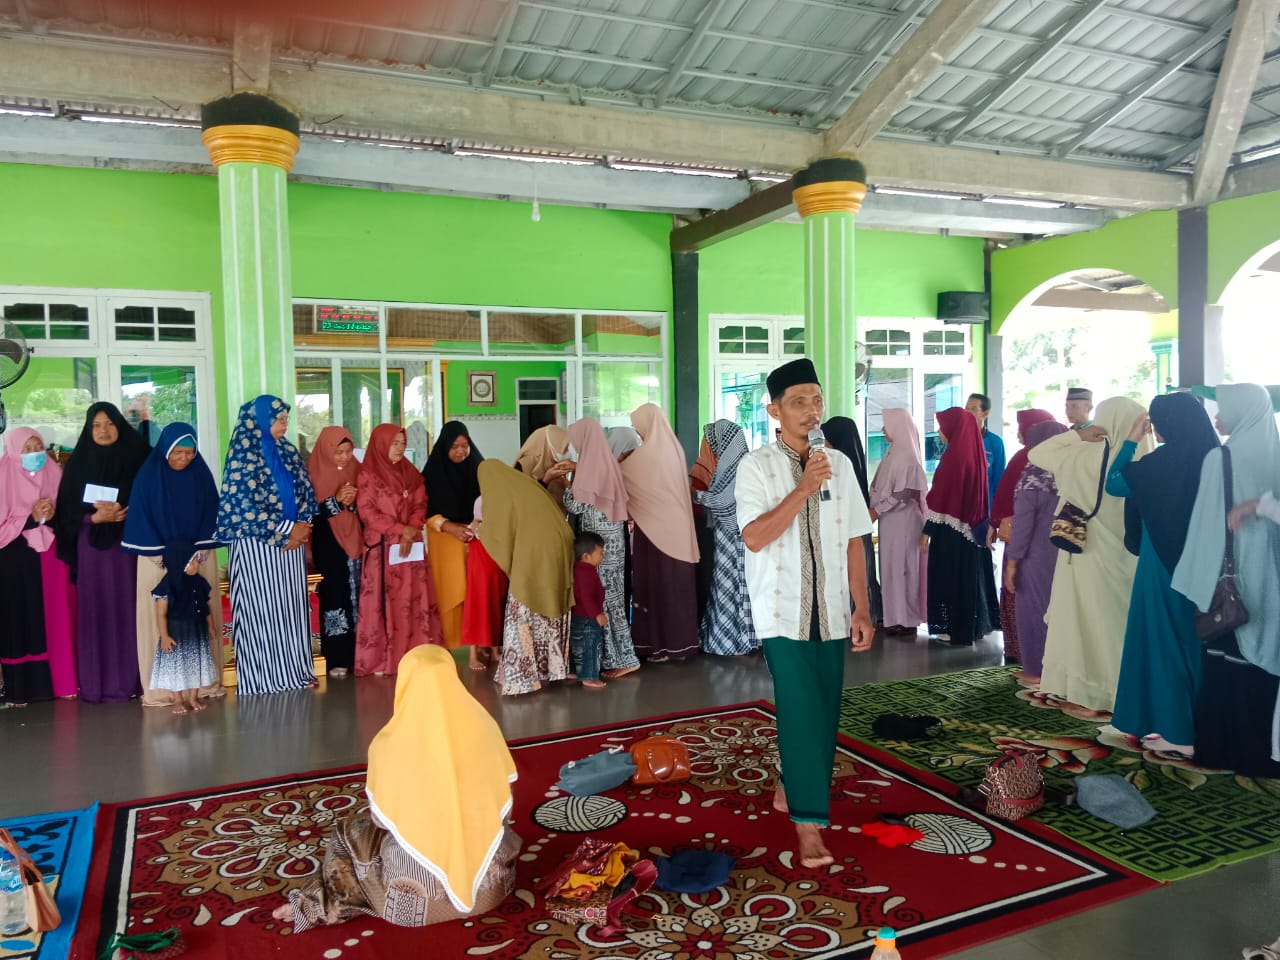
[(1237, 79), (708, 15), (949, 25), (1097, 300), (500, 43), (879, 48), (1037, 57), (761, 207), (251, 56), (1190, 51), (404, 102)]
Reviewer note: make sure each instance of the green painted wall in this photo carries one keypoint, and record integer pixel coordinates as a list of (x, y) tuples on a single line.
[(1145, 245), (1239, 230), (898, 275), (507, 373)]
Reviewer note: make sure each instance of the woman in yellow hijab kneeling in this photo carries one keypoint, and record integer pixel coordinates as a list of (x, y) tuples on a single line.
[(433, 844)]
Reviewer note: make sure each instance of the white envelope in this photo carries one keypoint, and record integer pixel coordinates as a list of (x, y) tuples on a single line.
[(416, 554), (93, 493)]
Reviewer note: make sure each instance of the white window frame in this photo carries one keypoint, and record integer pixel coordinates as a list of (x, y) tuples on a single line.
[(111, 355), (573, 361)]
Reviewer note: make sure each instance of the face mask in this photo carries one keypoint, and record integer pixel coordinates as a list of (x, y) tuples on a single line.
[(32, 462)]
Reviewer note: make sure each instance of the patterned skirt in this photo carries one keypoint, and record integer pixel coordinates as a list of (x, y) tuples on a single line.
[(535, 650)]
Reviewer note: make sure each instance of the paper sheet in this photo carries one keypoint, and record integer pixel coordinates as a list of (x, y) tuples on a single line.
[(93, 493), (416, 554)]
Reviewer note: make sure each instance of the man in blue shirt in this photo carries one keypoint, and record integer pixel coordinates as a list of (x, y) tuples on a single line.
[(979, 405)]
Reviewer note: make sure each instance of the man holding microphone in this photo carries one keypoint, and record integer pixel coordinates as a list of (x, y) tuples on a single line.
[(802, 516)]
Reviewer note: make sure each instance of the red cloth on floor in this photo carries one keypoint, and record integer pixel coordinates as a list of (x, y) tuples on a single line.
[(892, 834), (486, 598)]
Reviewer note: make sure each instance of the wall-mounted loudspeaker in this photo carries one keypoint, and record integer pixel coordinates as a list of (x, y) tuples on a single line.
[(961, 306)]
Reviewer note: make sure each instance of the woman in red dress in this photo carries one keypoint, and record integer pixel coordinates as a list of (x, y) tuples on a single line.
[(398, 608)]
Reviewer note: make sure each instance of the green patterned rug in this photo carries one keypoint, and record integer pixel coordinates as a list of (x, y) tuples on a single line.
[(1205, 818)]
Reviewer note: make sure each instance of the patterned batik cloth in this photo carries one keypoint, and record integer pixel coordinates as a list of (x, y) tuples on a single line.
[(189, 665), (535, 650), (367, 873)]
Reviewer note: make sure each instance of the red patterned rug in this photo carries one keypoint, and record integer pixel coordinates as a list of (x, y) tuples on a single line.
[(215, 863)]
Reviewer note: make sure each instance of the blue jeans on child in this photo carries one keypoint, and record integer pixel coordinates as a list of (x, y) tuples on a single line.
[(586, 643)]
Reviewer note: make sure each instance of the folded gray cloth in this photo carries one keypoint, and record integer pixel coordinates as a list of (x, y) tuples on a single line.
[(1110, 797)]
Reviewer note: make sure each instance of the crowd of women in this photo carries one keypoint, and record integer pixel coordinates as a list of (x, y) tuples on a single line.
[(1106, 622), (109, 571), (107, 566)]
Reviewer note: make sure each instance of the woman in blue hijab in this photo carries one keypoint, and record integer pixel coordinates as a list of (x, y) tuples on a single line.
[(264, 517), (175, 507)]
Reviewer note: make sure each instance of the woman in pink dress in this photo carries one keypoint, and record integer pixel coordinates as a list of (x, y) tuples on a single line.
[(398, 609)]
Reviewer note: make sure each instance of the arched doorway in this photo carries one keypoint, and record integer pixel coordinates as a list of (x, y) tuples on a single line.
[(1095, 327), (1250, 333)]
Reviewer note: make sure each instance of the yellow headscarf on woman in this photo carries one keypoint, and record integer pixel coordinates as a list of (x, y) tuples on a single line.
[(440, 775)]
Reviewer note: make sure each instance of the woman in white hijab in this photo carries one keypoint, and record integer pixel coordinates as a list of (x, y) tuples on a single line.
[(1089, 605), (1238, 711)]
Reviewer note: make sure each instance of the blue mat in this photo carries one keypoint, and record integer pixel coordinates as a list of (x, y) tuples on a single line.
[(60, 844)]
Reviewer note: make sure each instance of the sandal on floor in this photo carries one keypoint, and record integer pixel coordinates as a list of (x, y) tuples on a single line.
[(1262, 953)]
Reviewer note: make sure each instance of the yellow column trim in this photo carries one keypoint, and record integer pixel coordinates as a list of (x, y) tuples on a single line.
[(829, 196), (251, 143)]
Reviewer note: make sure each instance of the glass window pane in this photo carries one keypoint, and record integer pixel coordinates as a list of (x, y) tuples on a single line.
[(156, 395), (756, 333), (135, 323), (52, 397), (941, 391), (899, 336), (362, 406), (531, 333), (312, 404), (886, 387), (622, 334), (731, 347), (341, 325), (67, 321), (417, 403), (741, 397), (730, 333), (177, 325), (610, 391), (439, 331), (757, 348)]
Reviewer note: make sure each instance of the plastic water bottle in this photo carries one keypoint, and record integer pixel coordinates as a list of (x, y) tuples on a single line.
[(13, 903), (886, 945)]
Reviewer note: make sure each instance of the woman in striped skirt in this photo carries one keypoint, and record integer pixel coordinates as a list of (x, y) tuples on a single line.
[(264, 517)]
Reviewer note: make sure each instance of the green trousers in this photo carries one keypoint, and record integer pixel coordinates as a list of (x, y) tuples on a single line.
[(808, 676)]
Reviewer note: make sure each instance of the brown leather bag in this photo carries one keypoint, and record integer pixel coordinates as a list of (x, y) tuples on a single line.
[(42, 911), (660, 760)]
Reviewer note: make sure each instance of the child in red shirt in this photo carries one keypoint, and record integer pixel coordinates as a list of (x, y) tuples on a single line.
[(586, 626)]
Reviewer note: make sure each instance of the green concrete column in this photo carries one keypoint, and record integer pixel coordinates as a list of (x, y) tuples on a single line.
[(252, 140), (828, 194)]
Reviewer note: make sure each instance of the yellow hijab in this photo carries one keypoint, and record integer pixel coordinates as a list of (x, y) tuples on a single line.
[(528, 538), (541, 450), (440, 775)]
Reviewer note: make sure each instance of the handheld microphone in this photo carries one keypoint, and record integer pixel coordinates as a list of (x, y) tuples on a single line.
[(818, 441)]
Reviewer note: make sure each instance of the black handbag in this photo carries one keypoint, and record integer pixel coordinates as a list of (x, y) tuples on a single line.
[(1071, 526), (1226, 611)]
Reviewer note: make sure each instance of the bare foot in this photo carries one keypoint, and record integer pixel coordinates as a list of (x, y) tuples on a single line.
[(283, 912), (571, 676), (197, 705), (180, 707), (338, 673), (813, 852), (475, 660), (780, 800), (594, 684), (618, 672)]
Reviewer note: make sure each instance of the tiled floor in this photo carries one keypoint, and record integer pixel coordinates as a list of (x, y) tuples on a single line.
[(61, 755)]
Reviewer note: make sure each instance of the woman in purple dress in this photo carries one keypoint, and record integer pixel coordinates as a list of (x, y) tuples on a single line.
[(93, 500), (1030, 558), (897, 497)]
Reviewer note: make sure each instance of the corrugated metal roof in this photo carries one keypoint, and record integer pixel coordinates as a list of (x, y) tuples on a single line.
[(800, 62)]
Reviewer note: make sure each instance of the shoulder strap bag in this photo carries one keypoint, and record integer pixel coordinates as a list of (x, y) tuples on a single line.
[(1071, 526), (1226, 611)]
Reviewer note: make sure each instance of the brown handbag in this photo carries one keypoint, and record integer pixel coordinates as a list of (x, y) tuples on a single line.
[(1226, 611), (1070, 527), (660, 760), (1013, 785), (42, 911)]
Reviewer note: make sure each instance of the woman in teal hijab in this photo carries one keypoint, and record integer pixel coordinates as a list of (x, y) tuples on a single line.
[(1237, 715)]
